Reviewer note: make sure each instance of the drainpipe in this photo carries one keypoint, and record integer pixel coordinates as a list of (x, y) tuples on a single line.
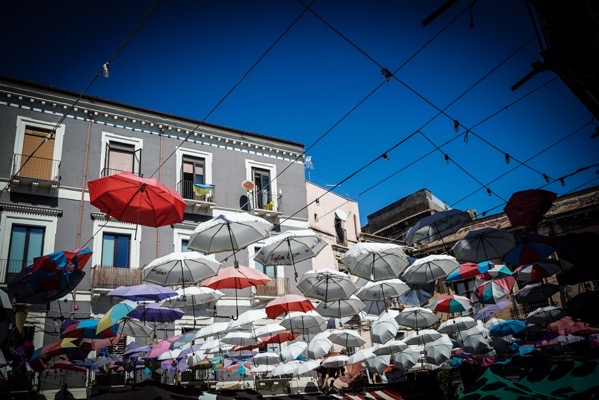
[(159, 180)]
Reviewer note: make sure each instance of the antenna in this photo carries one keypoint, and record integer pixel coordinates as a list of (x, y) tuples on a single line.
[(309, 166)]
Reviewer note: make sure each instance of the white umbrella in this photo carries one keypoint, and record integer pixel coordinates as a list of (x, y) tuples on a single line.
[(341, 308), (308, 366), (304, 323), (210, 345), (407, 358), (268, 358), (335, 361), (362, 355), (385, 327), (430, 268), (474, 340), (375, 261), (169, 355), (456, 324), (346, 338), (290, 247), (193, 296), (247, 317), (319, 345), (293, 351), (269, 330), (424, 336), (289, 368), (378, 363), (438, 351), (263, 369), (212, 330), (326, 285), (241, 339), (185, 268), (391, 347), (383, 290), (229, 233), (416, 317), (437, 226), (483, 245), (196, 357)]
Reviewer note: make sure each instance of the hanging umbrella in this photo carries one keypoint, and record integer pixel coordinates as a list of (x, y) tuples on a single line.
[(436, 226), (293, 351), (115, 314), (537, 271), (215, 329), (246, 318), (88, 328), (467, 270), (385, 327), (530, 249), (290, 247), (473, 340), (495, 271), (288, 368), (184, 269), (416, 317), (418, 294), (143, 292), (308, 366), (288, 303), (407, 358), (66, 365), (507, 327), (361, 355), (451, 303), (86, 345), (536, 292), (439, 350), (578, 248), (193, 295), (375, 261), (319, 345), (391, 347), (184, 339), (279, 338), (430, 268), (154, 312), (584, 306), (229, 233), (326, 285), (267, 358), (341, 308), (378, 363), (527, 207), (346, 338), (483, 245), (269, 330), (335, 361), (495, 290), (238, 277), (134, 328), (161, 347), (129, 198), (62, 346), (545, 315), (304, 323), (374, 308), (50, 277), (456, 324), (170, 355), (240, 339), (423, 336), (382, 290), (491, 309)]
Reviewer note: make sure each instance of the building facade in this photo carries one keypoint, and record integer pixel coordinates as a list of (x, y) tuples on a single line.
[(45, 206)]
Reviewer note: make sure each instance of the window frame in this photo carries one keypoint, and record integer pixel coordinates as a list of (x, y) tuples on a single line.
[(272, 169), (108, 137), (24, 261), (207, 157), (116, 227), (115, 252)]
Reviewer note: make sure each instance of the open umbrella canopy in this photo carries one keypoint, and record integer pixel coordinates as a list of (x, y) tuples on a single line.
[(495, 290), (87, 328), (407, 358), (143, 292), (491, 309), (184, 268), (268, 330), (228, 233), (537, 271), (236, 278), (130, 198), (319, 345), (240, 339), (335, 361), (430, 268), (494, 271), (193, 296), (288, 303), (423, 336), (341, 308), (536, 292), (156, 313), (378, 363), (451, 303), (289, 368), (279, 338), (346, 338), (268, 358), (439, 350), (436, 226), (290, 247), (62, 346), (418, 294), (507, 327), (527, 207), (246, 318), (115, 314), (530, 249), (416, 317), (467, 270), (375, 261), (474, 340), (391, 347), (456, 324), (385, 327), (326, 285), (483, 245), (214, 329), (66, 365), (545, 315), (304, 323), (293, 351), (382, 290)]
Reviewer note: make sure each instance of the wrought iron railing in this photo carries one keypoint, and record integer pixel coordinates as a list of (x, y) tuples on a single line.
[(276, 287), (110, 172), (10, 268), (191, 191), (112, 277), (264, 200), (36, 167)]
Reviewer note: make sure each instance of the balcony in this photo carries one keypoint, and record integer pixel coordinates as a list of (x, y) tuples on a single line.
[(110, 172), (9, 269), (275, 288), (198, 197), (112, 277), (35, 174), (263, 205)]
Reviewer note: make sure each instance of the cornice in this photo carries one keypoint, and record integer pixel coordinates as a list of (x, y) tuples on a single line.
[(29, 209)]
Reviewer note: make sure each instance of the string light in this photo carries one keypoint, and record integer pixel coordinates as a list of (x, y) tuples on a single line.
[(562, 181), (507, 158), (456, 125), (106, 69), (446, 158), (385, 156), (546, 178), (387, 74), (489, 192)]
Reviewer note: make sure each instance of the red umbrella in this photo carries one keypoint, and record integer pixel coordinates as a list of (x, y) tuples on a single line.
[(527, 207), (287, 303), (96, 344), (537, 271), (66, 365), (530, 249), (279, 338), (129, 198), (238, 277)]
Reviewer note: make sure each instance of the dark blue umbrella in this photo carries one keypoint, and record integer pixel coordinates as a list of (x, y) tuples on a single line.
[(25, 286), (143, 292), (418, 295), (531, 249), (507, 327), (156, 313)]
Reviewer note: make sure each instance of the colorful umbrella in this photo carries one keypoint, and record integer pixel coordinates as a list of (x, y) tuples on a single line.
[(430, 268), (129, 198), (62, 346), (115, 314), (279, 338), (450, 303), (467, 270), (507, 327), (531, 249), (537, 271), (156, 313), (375, 261), (143, 292), (495, 290), (491, 309), (288, 303), (483, 245), (66, 365), (290, 247), (88, 328), (184, 268), (436, 226), (494, 272), (527, 207), (87, 345)]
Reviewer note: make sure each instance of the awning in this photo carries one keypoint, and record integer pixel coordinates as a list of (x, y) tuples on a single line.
[(341, 214)]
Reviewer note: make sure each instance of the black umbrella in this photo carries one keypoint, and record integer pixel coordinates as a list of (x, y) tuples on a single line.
[(577, 274), (578, 248), (536, 293), (584, 306)]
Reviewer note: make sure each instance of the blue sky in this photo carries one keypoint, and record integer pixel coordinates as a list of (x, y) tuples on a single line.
[(188, 55)]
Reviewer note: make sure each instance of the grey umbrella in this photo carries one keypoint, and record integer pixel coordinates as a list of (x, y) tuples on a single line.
[(326, 285), (375, 261), (416, 317), (430, 268), (341, 308), (545, 315), (378, 363), (183, 268), (436, 226), (385, 327), (483, 245), (474, 340)]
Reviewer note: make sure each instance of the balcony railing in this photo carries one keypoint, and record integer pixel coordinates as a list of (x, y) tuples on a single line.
[(111, 277), (276, 287), (9, 269), (263, 203), (188, 191), (36, 167), (110, 172)]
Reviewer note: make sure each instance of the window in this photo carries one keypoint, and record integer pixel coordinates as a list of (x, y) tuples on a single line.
[(340, 232), (184, 245), (116, 250), (26, 243), (269, 270), (262, 190), (120, 153), (193, 171)]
